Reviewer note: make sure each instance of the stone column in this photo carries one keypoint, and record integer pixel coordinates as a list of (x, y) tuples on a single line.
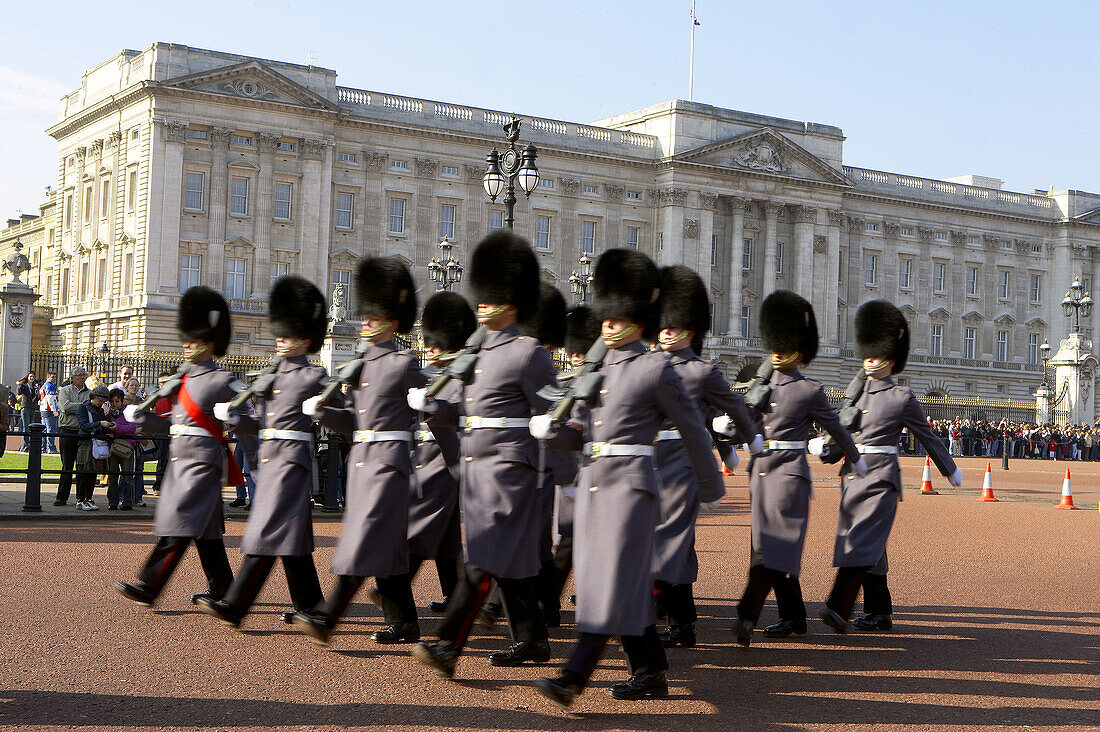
[(832, 277), (1074, 376), (738, 207), (217, 197), (339, 345), (804, 218), (314, 206), (261, 216), (165, 208), (771, 221)]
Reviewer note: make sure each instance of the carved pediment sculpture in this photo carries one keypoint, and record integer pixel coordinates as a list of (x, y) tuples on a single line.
[(691, 228), (760, 155), (819, 244)]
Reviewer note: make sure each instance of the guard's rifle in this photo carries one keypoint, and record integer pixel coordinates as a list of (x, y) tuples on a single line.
[(461, 366), (167, 390), (584, 385), (849, 415), (260, 387), (347, 373), (759, 394)]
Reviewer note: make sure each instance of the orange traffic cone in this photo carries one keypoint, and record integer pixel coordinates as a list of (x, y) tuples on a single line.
[(987, 485), (926, 480), (1067, 494), (726, 471)]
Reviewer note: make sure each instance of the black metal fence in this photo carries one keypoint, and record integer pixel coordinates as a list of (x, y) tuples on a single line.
[(973, 409), (147, 365)]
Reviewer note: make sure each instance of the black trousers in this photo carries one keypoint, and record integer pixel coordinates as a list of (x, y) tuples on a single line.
[(525, 622), (678, 602), (876, 595), (301, 580), (67, 446), (788, 599), (842, 598), (546, 587), (398, 605), (446, 567), (168, 552), (788, 595), (162, 465), (563, 561), (644, 654)]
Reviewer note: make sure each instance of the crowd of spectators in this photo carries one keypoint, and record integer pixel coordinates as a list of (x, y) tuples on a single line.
[(1028, 440)]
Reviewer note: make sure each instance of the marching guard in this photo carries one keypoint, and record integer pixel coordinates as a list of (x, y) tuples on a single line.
[(868, 503), (685, 320), (618, 504), (500, 459), (280, 523), (780, 483), (201, 464), (435, 528), (374, 535)]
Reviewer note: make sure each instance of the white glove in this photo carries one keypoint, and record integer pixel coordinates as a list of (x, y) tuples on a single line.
[(709, 507), (956, 478), (860, 467), (221, 411), (542, 427), (312, 407), (757, 444), (132, 414), (816, 446), (723, 425), (569, 493), (419, 400), (732, 461)]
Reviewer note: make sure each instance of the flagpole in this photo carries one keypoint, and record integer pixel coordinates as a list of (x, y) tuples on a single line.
[(691, 62)]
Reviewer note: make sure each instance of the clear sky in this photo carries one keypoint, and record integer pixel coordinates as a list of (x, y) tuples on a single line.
[(1007, 89)]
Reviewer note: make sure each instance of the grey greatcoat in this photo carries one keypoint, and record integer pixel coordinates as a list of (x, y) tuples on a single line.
[(190, 503), (868, 504), (618, 506), (566, 466), (280, 522), (779, 481), (374, 536), (501, 506), (434, 527), (674, 559)]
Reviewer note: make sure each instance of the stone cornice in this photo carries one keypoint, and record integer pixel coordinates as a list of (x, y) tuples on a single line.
[(101, 109), (952, 210), (719, 171)]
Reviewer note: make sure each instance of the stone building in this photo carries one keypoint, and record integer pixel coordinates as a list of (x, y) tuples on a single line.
[(32, 231), (178, 166)]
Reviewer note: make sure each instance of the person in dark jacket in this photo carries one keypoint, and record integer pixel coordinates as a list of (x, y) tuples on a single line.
[(280, 523), (93, 425)]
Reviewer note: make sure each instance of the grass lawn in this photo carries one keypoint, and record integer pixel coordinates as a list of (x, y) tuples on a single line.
[(18, 461)]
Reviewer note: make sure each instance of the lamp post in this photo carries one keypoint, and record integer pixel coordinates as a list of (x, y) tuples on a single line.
[(579, 282), (505, 167), (1077, 303), (104, 352), (1044, 354), (446, 270)]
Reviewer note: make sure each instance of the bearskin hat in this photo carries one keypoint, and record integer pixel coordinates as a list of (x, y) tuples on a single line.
[(296, 309), (881, 331), (581, 330), (684, 303), (204, 315), (787, 324), (547, 325), (385, 288), (505, 271), (447, 321), (627, 284)]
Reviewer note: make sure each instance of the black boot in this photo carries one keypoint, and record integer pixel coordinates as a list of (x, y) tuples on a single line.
[(397, 633), (318, 626), (678, 635), (438, 606), (874, 622), (644, 685), (834, 620), (521, 653), (440, 657), (221, 610), (785, 628), (287, 617), (139, 592), (561, 691)]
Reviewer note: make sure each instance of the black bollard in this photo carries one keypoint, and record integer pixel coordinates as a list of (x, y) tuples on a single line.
[(332, 503), (33, 500), (1004, 452)]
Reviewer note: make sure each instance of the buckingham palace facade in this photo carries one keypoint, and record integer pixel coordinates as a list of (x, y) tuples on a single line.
[(179, 166)]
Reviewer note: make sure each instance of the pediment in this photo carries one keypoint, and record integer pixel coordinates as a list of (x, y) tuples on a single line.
[(972, 317), (252, 80), (939, 314), (549, 275), (909, 312), (1089, 217), (240, 241), (343, 256), (240, 164), (1036, 324), (125, 239), (1004, 319), (767, 152)]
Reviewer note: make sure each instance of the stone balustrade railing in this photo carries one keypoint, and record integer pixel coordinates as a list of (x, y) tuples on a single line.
[(352, 98), (941, 186)]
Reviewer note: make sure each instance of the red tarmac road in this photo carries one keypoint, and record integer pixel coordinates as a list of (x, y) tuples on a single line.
[(997, 626)]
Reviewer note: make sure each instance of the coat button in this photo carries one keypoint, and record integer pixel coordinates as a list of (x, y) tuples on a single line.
[(277, 391), (593, 489), (364, 385), (598, 423), (418, 467), (362, 411), (864, 411), (265, 460), (469, 400), (174, 459), (603, 391), (359, 464), (468, 459), (762, 474), (774, 405), (477, 371)]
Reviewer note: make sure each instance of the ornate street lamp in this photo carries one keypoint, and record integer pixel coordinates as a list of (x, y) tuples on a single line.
[(1077, 303), (104, 352), (504, 168), (446, 270), (579, 282)]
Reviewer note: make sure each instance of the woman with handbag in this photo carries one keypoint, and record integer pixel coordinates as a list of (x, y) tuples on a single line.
[(120, 488), (91, 455)]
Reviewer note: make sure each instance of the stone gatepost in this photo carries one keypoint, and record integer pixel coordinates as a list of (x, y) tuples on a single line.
[(1074, 381), (17, 302), (340, 343)]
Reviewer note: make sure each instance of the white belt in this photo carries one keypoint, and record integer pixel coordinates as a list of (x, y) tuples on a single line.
[(784, 444), (186, 430), (293, 435), (482, 423), (668, 435), (877, 449), (379, 436), (425, 436), (604, 449)]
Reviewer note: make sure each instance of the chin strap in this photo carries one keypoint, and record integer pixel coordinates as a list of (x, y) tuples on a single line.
[(783, 364), (874, 373), (195, 355), (668, 342), (368, 334), (612, 341), (490, 314), (282, 352)]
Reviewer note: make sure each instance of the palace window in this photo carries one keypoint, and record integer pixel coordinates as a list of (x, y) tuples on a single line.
[(285, 146), (779, 257), (1002, 345), (937, 340), (242, 140), (448, 170), (397, 215), (713, 250), (633, 195), (131, 191), (196, 134), (283, 192), (746, 254), (1035, 288), (344, 207), (238, 196), (588, 236), (1004, 284), (542, 234), (345, 157), (192, 192), (190, 268), (496, 220), (68, 211), (546, 183), (101, 277), (939, 272), (447, 221), (970, 335), (104, 199), (941, 236), (870, 269), (127, 273), (279, 269), (905, 274), (589, 189), (87, 203), (633, 234), (745, 317), (1033, 348), (399, 164), (235, 278), (972, 281)]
